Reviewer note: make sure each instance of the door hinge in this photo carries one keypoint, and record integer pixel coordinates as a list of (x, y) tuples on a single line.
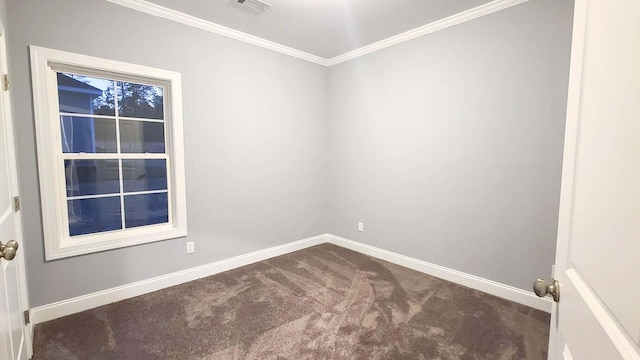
[(26, 317), (5, 82), (16, 203)]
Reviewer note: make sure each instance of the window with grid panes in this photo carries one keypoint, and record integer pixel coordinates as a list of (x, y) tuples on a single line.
[(111, 135)]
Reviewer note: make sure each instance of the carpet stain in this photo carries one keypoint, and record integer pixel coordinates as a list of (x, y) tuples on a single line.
[(320, 303)]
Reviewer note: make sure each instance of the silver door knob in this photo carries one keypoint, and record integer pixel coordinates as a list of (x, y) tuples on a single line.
[(541, 288), (8, 250)]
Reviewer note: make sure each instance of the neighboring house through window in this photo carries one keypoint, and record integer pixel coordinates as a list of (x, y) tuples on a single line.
[(110, 153)]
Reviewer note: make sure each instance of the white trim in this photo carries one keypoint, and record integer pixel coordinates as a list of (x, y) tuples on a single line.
[(468, 15), (475, 282), (108, 117), (189, 20), (619, 338), (98, 196), (85, 302), (592, 309), (6, 106), (566, 354), (58, 244), (557, 343), (110, 156)]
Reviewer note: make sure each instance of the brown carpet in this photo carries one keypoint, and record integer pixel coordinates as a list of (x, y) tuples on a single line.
[(324, 302)]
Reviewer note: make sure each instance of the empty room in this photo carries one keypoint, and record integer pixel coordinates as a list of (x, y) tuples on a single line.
[(322, 179)]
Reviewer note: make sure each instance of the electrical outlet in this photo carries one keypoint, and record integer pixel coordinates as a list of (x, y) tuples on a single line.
[(191, 247), (360, 226)]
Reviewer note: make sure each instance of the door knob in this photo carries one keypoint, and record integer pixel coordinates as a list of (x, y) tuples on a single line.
[(541, 288), (8, 250)]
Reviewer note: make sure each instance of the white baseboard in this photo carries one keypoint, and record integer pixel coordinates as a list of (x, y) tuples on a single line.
[(488, 286), (74, 305)]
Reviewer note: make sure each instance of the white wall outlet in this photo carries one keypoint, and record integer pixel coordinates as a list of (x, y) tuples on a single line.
[(191, 247), (360, 226)]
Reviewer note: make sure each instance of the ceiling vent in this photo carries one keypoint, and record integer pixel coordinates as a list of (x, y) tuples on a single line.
[(255, 5)]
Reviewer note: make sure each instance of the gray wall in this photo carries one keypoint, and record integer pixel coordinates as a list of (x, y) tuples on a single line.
[(449, 147), (254, 132)]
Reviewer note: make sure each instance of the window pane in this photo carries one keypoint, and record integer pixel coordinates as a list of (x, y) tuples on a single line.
[(89, 216), (85, 95), (144, 175), (148, 209), (141, 137), (88, 135), (140, 101), (92, 177)]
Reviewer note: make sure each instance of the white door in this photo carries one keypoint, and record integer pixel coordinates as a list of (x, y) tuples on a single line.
[(598, 252), (14, 338)]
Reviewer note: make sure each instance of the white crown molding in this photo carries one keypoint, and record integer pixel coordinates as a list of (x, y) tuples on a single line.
[(189, 20), (459, 18)]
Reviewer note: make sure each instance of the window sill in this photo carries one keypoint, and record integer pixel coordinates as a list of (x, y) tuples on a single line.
[(81, 245)]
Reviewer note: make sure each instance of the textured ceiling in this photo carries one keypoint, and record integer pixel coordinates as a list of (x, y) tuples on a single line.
[(324, 28)]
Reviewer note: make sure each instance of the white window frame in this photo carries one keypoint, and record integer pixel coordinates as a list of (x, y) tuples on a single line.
[(45, 63)]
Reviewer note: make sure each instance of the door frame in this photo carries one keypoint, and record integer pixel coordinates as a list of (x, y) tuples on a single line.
[(7, 119), (570, 157)]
